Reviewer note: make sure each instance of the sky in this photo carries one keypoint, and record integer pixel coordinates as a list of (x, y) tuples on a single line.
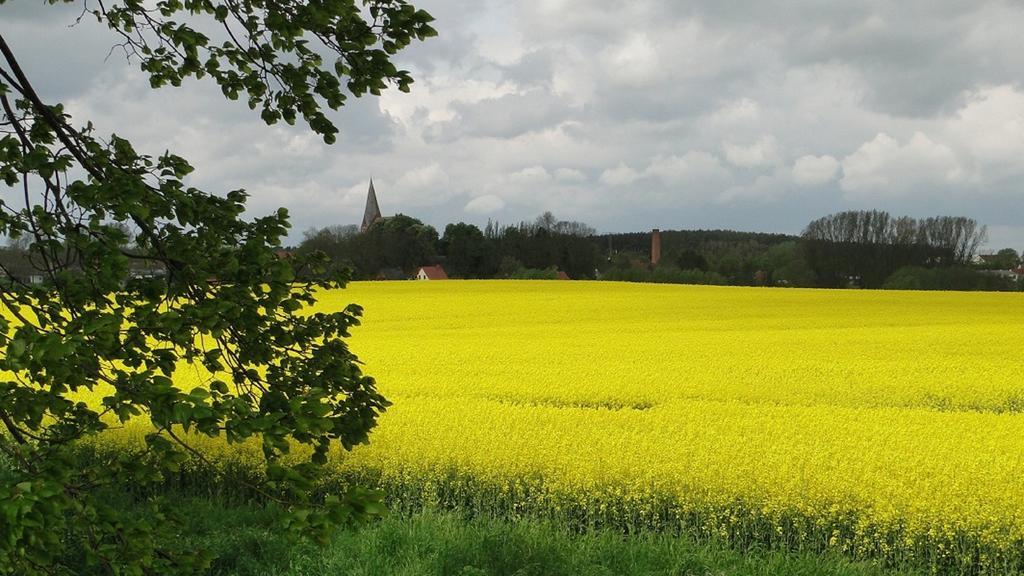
[(745, 115)]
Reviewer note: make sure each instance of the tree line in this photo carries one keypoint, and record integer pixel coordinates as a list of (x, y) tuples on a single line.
[(395, 246), (866, 248)]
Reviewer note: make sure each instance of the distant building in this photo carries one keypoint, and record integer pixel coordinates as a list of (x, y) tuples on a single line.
[(984, 258), (431, 273), (372, 213), (561, 275), (1014, 274)]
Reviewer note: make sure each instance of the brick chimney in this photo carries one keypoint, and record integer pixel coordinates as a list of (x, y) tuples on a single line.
[(655, 246)]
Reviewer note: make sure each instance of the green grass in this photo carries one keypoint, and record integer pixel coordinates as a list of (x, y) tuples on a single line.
[(246, 540), (247, 543)]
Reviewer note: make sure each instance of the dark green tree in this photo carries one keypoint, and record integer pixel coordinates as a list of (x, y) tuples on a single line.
[(786, 265), (468, 254), (335, 242), (222, 299), (1006, 259), (864, 247), (569, 246), (691, 260), (398, 241)]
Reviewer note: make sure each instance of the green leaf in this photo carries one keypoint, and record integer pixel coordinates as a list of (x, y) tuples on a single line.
[(191, 282)]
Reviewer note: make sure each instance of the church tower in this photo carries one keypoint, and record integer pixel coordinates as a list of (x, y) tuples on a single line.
[(372, 213)]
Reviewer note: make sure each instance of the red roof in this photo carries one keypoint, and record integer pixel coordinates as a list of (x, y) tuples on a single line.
[(433, 272), (562, 275)]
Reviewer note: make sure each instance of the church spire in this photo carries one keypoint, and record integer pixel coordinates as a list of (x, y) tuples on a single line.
[(372, 213)]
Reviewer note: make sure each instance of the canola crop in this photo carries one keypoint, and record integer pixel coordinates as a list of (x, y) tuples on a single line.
[(884, 425)]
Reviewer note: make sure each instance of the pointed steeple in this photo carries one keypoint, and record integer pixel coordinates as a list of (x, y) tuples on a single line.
[(372, 213)]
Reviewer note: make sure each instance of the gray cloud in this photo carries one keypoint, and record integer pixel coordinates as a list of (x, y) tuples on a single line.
[(652, 113)]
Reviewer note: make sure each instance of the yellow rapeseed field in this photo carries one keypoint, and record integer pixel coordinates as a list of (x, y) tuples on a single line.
[(882, 424)]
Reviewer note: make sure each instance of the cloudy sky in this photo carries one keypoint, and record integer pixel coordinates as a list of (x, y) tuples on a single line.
[(749, 115)]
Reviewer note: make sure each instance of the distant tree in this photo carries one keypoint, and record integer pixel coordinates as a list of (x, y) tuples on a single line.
[(573, 228), (549, 273), (664, 274), (333, 241), (335, 233), (738, 252), (691, 260), (946, 278), (397, 241), (871, 245), (330, 240), (468, 253), (493, 229), (546, 242), (787, 266), (961, 236), (508, 267), (1006, 259), (906, 278), (729, 265), (546, 221)]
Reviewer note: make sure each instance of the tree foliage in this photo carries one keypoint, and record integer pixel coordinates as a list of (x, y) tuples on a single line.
[(728, 257), (467, 253), (399, 244), (272, 53), (1005, 259), (547, 242), (947, 278), (865, 247), (214, 298)]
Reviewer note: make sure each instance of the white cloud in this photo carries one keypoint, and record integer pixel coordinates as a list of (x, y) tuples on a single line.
[(884, 166), (424, 177), (531, 176), (621, 175), (633, 62), (487, 204), (762, 153), (990, 126), (570, 175), (417, 188), (736, 112), (695, 165), (572, 74), (814, 170), (765, 188), (497, 41), (433, 99)]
